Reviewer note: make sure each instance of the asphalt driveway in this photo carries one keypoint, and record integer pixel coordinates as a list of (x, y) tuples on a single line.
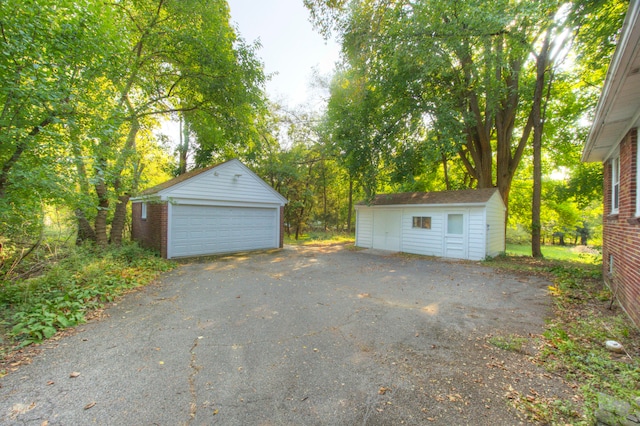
[(300, 336)]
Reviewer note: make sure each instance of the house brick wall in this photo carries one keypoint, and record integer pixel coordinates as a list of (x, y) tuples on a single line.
[(621, 232), (151, 232)]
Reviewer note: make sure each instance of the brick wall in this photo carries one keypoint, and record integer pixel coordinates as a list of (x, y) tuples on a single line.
[(621, 233), (151, 232)]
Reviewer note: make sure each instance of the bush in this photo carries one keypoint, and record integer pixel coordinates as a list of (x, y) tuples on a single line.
[(82, 280)]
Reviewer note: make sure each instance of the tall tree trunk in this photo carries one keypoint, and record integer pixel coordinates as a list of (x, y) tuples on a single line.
[(350, 208), (119, 220), (100, 224), (183, 147), (85, 231), (120, 212), (542, 61), (445, 168)]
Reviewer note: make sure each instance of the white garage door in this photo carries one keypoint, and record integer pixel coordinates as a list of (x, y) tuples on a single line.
[(201, 230)]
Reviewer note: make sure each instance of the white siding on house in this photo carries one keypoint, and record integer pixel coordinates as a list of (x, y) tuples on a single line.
[(230, 182), (364, 227), (477, 235), (496, 231), (427, 242)]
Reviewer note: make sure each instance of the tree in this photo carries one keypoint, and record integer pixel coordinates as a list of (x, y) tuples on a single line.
[(88, 81), (466, 64)]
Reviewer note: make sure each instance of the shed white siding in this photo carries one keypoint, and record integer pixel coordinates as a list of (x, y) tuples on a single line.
[(427, 242), (477, 233), (364, 229), (495, 227), (478, 228)]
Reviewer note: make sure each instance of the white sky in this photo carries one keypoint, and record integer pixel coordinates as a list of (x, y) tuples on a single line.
[(291, 48)]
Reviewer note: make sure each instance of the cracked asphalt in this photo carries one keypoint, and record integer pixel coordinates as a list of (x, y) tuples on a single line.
[(304, 335)]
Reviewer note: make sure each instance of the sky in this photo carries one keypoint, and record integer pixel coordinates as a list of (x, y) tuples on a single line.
[(291, 48)]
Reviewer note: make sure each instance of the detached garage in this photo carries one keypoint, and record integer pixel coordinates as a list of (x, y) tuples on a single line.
[(219, 209), (467, 224)]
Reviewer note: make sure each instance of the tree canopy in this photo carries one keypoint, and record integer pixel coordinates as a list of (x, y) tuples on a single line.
[(84, 87)]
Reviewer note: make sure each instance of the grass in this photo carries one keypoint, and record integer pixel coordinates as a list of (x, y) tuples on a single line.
[(567, 253), (320, 238), (572, 344)]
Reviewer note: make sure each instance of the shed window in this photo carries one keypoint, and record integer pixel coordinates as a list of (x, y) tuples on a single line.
[(422, 222), (455, 224), (143, 213), (615, 185)]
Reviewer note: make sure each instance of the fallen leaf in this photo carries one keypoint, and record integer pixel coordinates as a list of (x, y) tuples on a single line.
[(50, 382), (89, 405), (45, 423), (383, 390), (215, 411), (74, 374)]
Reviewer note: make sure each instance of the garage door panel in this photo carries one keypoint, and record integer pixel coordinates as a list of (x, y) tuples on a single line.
[(200, 230)]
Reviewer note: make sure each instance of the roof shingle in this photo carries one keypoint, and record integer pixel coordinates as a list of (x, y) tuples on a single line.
[(465, 196)]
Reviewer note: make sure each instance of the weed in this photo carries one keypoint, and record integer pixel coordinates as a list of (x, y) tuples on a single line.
[(512, 343), (573, 341), (84, 279), (321, 238)]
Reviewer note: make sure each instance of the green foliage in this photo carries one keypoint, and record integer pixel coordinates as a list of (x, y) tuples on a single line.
[(322, 238), (573, 343), (85, 84), (511, 343), (82, 280), (562, 253)]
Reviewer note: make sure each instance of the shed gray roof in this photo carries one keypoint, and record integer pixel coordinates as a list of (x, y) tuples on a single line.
[(465, 196)]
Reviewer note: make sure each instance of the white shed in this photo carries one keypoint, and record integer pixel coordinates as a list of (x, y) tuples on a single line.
[(219, 209), (466, 224)]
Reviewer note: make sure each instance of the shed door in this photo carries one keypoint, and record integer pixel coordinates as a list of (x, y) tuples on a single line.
[(202, 230), (386, 230), (455, 238)]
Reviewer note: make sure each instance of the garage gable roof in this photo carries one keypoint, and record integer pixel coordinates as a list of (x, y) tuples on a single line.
[(618, 109), (176, 180), (202, 178), (461, 197)]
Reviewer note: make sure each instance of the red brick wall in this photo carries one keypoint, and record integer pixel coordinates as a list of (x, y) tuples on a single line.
[(621, 233), (152, 232)]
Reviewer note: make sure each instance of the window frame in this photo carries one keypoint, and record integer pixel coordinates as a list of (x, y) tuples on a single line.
[(143, 211), (421, 222), (615, 185), (459, 221)]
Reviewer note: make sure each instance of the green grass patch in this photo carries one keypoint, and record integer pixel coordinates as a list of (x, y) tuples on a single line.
[(68, 288), (573, 343), (321, 238), (512, 343), (579, 254)]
